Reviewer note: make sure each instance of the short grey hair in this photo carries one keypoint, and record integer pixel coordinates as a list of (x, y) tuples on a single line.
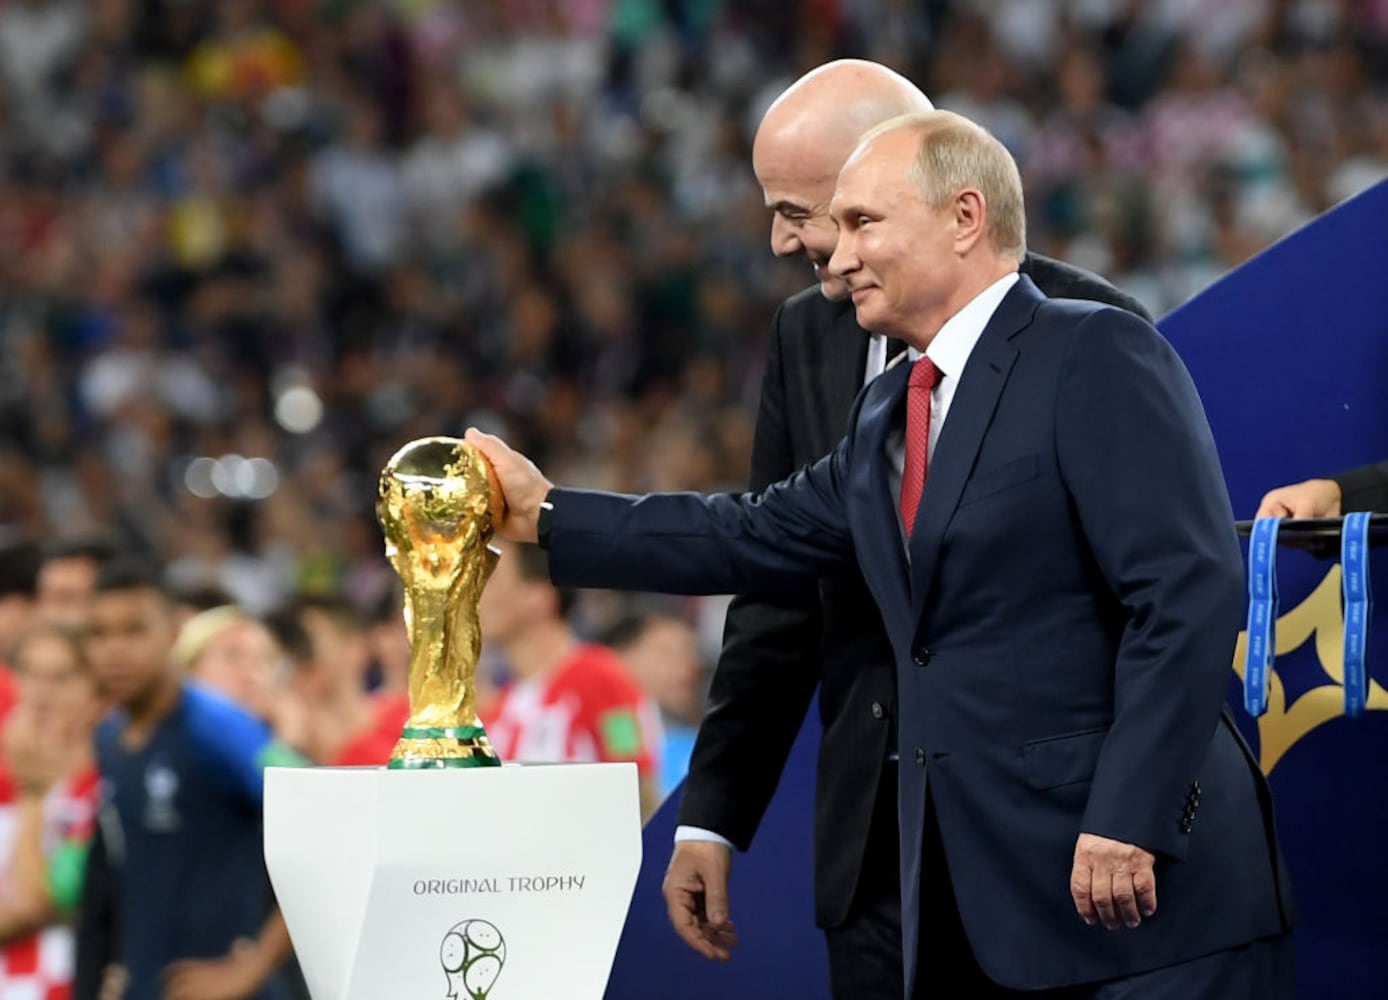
[(956, 153)]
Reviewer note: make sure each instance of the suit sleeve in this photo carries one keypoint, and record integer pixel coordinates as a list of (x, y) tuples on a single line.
[(768, 669), (1141, 466), (1365, 488), (687, 543)]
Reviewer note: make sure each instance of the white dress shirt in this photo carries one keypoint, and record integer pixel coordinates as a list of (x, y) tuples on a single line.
[(950, 350)]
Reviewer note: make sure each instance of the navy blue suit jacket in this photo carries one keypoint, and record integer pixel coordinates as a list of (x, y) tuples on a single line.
[(1063, 631)]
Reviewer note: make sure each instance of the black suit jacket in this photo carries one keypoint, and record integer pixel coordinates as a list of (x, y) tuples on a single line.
[(1364, 488), (777, 649), (1062, 632)]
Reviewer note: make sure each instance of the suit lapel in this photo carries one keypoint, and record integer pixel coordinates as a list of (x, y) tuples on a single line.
[(970, 413), (877, 523)]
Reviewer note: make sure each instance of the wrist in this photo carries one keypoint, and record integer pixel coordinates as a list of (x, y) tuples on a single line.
[(1334, 497), (542, 520), (30, 787), (253, 959)]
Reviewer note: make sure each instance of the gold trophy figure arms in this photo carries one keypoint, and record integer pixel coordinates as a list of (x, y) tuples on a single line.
[(437, 505)]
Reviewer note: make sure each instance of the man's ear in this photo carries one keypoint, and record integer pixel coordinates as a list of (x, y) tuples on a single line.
[(970, 219)]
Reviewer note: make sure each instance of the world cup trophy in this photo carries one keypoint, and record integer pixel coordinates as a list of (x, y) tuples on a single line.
[(438, 504)]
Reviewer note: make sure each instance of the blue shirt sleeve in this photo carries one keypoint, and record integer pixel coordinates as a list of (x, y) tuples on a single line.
[(235, 743)]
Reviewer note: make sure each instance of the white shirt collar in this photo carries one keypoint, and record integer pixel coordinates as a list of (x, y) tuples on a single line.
[(951, 347)]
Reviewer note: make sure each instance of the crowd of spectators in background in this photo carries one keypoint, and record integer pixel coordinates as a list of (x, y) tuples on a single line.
[(251, 247), (248, 248)]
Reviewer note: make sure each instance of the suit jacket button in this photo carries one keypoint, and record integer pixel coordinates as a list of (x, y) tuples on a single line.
[(877, 710), (921, 656), (920, 756)]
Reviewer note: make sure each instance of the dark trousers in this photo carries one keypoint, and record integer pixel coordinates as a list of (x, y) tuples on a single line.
[(865, 950), (946, 968)]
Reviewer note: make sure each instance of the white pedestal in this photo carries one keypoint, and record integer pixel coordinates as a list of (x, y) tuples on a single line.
[(508, 883)]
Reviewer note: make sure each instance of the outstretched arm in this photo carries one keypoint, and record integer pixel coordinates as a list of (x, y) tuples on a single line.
[(680, 543), (1364, 488)]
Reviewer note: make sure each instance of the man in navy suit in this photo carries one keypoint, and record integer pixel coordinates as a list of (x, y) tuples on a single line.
[(824, 637), (1036, 503)]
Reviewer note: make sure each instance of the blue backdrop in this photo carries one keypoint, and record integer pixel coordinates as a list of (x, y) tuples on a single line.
[(1290, 353)]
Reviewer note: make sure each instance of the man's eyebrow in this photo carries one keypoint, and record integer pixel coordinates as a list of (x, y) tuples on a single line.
[(784, 207)]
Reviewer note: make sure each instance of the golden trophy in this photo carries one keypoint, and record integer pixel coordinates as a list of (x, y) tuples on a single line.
[(438, 503)]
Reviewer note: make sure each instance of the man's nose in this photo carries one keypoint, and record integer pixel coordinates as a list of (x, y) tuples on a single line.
[(785, 242), (844, 259)]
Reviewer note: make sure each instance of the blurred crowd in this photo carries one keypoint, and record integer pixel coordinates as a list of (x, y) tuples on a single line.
[(248, 248), (137, 719), (251, 247)]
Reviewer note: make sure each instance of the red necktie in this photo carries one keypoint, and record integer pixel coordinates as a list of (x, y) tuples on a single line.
[(924, 376)]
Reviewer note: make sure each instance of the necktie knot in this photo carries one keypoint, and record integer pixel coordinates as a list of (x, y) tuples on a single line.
[(924, 374)]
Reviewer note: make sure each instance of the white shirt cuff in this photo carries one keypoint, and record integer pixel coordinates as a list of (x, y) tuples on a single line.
[(683, 833)]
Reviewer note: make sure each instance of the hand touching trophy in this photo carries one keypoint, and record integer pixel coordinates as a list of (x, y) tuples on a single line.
[(438, 505)]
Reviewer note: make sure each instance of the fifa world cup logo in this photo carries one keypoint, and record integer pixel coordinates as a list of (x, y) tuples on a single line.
[(472, 954), (437, 504)]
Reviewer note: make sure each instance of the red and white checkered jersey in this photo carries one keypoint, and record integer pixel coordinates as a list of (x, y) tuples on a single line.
[(40, 967), (587, 709)]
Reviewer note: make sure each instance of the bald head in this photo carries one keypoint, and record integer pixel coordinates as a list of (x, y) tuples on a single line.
[(826, 111), (804, 139)]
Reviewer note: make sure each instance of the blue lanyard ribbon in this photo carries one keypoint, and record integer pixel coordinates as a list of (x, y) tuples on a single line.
[(1359, 602), (1262, 614)]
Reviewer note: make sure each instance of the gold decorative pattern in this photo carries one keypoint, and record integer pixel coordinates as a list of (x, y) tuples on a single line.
[(1319, 617)]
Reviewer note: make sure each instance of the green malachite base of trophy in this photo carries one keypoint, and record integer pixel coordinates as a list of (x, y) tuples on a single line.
[(422, 748)]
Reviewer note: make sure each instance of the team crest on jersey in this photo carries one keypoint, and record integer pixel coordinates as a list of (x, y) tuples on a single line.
[(161, 788)]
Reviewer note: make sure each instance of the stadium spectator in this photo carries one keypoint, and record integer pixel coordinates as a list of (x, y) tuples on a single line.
[(341, 723), (45, 831), (19, 562), (662, 654), (569, 700), (233, 654), (390, 646), (66, 581), (183, 770), (298, 236)]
